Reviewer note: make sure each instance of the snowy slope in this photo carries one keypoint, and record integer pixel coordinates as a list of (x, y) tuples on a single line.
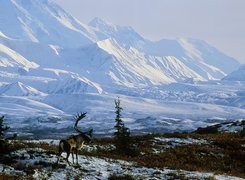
[(42, 54), (156, 70), (19, 89), (10, 58), (198, 54), (42, 21), (237, 75), (22, 108), (74, 85), (202, 51), (107, 63)]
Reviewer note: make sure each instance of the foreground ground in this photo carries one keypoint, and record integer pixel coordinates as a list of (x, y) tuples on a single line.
[(169, 156)]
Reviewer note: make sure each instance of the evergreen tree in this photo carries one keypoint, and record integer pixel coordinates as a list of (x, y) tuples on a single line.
[(2, 127), (122, 134), (3, 142), (242, 133)]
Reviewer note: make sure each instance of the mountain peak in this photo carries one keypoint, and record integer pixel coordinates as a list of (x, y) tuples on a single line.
[(124, 35), (96, 21), (106, 26)]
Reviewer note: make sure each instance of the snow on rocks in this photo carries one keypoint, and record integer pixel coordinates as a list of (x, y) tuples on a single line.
[(41, 164), (182, 141), (232, 126), (166, 143)]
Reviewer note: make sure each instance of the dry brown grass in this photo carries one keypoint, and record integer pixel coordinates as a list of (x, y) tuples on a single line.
[(225, 154), (4, 176)]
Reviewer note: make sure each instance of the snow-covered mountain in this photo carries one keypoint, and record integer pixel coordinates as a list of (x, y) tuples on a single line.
[(199, 55), (151, 69), (206, 60), (43, 25), (52, 66), (108, 62)]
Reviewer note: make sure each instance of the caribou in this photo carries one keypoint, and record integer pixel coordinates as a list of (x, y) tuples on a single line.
[(74, 143)]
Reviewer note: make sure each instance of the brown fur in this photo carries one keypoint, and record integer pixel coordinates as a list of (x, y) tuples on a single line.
[(72, 144)]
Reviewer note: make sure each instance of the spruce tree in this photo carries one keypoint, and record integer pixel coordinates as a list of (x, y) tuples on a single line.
[(122, 134), (242, 133), (2, 127), (3, 142)]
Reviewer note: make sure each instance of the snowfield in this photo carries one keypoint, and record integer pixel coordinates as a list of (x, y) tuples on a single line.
[(145, 110)]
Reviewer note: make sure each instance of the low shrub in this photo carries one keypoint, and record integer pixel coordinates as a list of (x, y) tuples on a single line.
[(208, 130), (120, 177)]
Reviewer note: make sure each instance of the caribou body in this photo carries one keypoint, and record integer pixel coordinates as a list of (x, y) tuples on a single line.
[(73, 143)]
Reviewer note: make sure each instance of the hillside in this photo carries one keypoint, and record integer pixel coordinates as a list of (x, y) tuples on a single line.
[(237, 75), (187, 156)]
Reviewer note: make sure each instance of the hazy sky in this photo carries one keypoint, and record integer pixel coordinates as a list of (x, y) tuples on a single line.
[(219, 22)]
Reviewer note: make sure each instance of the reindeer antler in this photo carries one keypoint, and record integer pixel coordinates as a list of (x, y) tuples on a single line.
[(78, 117)]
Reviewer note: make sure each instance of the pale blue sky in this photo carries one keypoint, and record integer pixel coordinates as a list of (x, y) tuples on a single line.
[(219, 22)]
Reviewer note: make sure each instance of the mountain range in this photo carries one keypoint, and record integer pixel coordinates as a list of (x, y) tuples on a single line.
[(53, 66)]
